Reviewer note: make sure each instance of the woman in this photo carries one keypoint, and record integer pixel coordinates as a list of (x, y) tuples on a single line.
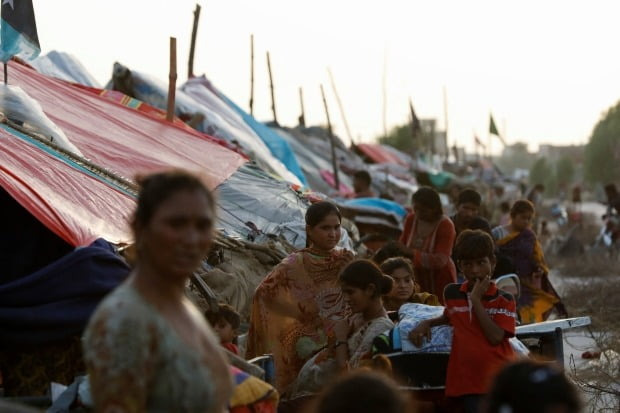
[(296, 306), (362, 284), (405, 289), (430, 236), (519, 243), (147, 348)]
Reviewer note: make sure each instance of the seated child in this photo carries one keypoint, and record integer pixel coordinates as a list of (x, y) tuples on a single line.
[(405, 289), (225, 322), (483, 319)]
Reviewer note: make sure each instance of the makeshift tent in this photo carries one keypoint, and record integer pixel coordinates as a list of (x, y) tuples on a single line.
[(214, 120), (121, 139), (69, 199), (378, 154), (226, 122), (64, 66)]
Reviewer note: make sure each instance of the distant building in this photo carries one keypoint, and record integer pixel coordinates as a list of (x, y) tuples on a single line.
[(553, 153)]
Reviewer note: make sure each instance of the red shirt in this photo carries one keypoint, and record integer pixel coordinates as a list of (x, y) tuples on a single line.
[(473, 360), (231, 347)]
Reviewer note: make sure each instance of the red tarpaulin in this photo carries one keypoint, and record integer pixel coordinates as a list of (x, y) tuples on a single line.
[(74, 204), (379, 155), (121, 139)]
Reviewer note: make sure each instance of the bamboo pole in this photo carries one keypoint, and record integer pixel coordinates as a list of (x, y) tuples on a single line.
[(6, 73), (273, 99), (333, 144), (445, 114), (190, 62), (252, 74), (302, 117), (172, 78), (342, 114)]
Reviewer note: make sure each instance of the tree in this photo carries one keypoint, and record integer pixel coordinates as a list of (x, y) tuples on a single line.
[(400, 137), (540, 172), (565, 171), (602, 153)]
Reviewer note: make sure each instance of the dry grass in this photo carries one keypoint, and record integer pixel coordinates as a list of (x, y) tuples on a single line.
[(593, 289)]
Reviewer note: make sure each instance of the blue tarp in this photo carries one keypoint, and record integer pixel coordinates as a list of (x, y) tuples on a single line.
[(55, 302), (378, 203), (278, 146)]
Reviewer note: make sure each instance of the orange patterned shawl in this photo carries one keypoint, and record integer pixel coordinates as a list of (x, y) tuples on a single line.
[(295, 308)]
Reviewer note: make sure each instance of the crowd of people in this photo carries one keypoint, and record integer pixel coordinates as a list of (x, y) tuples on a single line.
[(319, 312)]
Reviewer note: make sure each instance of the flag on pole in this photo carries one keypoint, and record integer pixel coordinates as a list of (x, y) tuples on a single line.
[(493, 129), (18, 31), (479, 142), (415, 122)]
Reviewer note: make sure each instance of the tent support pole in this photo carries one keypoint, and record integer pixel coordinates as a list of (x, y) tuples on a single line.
[(190, 62), (333, 144), (252, 74), (172, 78), (273, 99)]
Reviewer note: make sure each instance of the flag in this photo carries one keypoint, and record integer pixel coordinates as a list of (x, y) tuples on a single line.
[(493, 130), (478, 142), (415, 122), (18, 34)]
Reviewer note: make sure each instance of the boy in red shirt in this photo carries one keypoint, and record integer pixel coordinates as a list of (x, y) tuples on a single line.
[(483, 319), (225, 321)]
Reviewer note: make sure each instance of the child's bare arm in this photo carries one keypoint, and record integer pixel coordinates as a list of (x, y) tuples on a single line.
[(493, 333)]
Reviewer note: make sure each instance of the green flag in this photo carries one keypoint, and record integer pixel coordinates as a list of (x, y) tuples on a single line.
[(493, 129)]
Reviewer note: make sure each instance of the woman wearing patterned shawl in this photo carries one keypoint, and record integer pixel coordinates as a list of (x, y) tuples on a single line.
[(518, 242), (429, 234), (296, 306)]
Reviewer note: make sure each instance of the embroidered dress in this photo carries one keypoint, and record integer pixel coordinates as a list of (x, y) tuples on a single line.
[(132, 354), (322, 368), (294, 309)]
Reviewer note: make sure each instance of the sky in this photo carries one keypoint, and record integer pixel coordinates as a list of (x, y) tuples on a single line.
[(546, 70)]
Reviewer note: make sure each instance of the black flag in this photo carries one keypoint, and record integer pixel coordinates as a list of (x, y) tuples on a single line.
[(18, 34)]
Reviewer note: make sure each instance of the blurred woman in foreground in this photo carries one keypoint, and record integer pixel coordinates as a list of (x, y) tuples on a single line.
[(147, 347)]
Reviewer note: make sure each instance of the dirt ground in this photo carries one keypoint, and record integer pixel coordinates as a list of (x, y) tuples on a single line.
[(588, 283)]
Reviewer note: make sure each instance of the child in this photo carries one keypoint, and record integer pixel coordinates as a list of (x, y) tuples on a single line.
[(483, 319), (225, 322), (405, 289)]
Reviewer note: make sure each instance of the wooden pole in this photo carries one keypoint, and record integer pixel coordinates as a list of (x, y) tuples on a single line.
[(172, 79), (445, 114), (252, 74), (273, 99), (333, 144), (302, 117), (6, 73), (344, 117), (190, 63), (384, 91)]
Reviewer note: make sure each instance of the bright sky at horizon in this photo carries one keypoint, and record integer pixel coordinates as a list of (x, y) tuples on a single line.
[(546, 70)]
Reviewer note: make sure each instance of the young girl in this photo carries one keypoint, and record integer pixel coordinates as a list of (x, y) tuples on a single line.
[(362, 285), (405, 289)]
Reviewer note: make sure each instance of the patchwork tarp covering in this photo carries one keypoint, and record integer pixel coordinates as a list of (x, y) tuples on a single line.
[(72, 202), (64, 66), (209, 117), (71, 287), (378, 154), (250, 196), (119, 138), (224, 122), (276, 144)]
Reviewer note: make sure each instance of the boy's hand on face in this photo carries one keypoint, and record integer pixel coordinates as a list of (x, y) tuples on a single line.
[(422, 330), (480, 287)]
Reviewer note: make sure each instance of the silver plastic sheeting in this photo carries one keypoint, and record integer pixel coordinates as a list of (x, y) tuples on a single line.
[(64, 66), (213, 120), (21, 109), (252, 205)]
